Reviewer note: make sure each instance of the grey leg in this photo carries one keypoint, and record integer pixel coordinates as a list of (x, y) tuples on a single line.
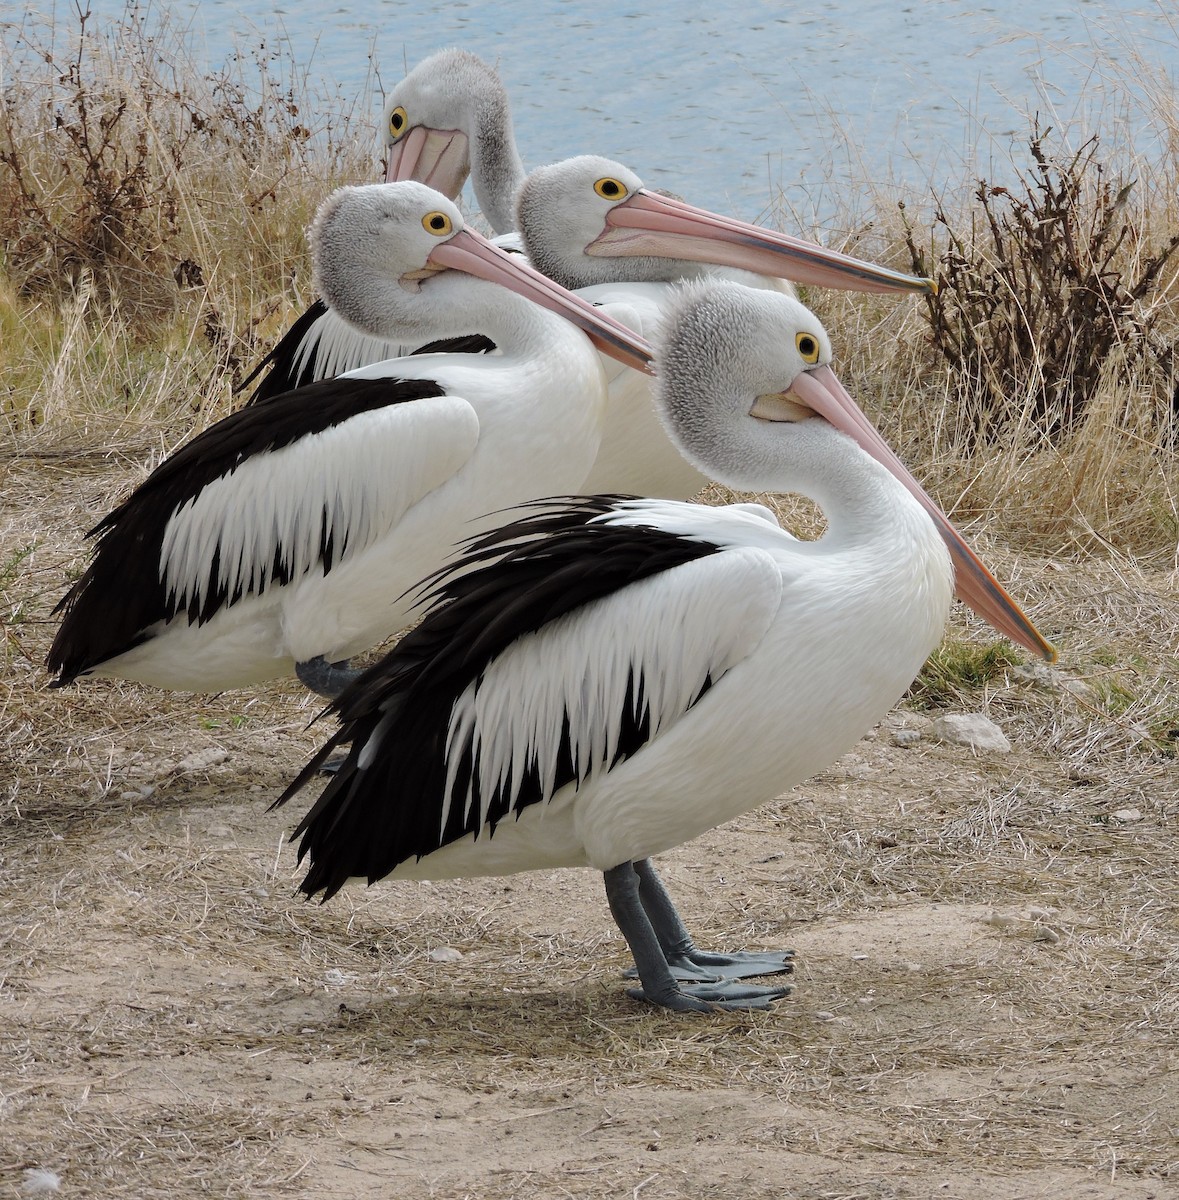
[(685, 961), (325, 678), (659, 985), (328, 680)]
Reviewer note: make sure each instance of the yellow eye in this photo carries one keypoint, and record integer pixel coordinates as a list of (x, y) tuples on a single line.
[(398, 122), (808, 347), (437, 223), (610, 188)]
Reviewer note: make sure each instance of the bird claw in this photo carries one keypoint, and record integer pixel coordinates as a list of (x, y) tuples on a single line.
[(718, 996)]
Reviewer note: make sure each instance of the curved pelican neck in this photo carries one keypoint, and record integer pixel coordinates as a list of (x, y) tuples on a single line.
[(496, 168), (865, 505), (866, 508)]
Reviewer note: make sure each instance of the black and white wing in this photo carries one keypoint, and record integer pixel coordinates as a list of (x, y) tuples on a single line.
[(562, 644), (321, 345), (264, 496)]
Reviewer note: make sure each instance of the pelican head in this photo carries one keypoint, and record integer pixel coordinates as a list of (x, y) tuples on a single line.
[(378, 250), (450, 117), (746, 387), (590, 220)]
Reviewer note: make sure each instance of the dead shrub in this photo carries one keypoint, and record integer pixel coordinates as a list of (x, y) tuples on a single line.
[(1041, 286)]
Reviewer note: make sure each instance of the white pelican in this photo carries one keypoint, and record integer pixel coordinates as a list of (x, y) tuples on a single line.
[(449, 117), (282, 537), (606, 678), (591, 225)]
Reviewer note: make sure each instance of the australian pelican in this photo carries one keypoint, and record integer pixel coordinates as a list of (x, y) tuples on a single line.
[(449, 117), (605, 678)]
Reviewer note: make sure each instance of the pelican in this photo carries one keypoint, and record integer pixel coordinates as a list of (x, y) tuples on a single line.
[(605, 678), (449, 117), (282, 537), (591, 225)]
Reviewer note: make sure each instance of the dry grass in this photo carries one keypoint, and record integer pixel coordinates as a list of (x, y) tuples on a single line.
[(986, 1001), (153, 220)]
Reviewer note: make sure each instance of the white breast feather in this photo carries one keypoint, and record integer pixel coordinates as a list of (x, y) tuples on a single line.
[(364, 473), (672, 631)]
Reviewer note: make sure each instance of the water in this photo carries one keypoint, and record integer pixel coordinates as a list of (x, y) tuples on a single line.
[(732, 109)]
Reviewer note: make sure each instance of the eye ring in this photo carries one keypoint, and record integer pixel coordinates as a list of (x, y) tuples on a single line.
[(610, 188), (808, 347), (437, 223), (398, 122)]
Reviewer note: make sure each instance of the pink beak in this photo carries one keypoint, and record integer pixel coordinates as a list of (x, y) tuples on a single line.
[(647, 224), (471, 252), (436, 157)]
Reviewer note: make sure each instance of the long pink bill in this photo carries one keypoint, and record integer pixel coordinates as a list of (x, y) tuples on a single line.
[(648, 224), (436, 157), (470, 252), (818, 389)]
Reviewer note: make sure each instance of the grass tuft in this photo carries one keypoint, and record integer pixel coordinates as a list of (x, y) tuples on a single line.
[(958, 668)]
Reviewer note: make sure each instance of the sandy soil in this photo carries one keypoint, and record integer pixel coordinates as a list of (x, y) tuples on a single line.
[(987, 992)]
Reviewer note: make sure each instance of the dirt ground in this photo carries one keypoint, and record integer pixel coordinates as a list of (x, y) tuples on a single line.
[(987, 990)]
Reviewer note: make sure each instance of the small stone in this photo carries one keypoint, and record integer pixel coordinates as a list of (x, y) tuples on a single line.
[(905, 737), (824, 1016), (1045, 933), (1128, 816), (1079, 688), (217, 830), (971, 729), (444, 954), (1000, 920), (202, 760), (903, 719)]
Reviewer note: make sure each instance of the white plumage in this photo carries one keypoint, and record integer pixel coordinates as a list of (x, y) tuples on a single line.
[(589, 223)]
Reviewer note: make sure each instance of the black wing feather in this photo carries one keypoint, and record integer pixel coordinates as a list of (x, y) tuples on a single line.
[(508, 583), (122, 592), (284, 377)]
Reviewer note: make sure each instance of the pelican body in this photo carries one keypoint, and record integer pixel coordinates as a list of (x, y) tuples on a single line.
[(287, 533), (605, 678)]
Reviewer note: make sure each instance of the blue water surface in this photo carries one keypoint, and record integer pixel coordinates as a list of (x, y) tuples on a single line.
[(736, 107)]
